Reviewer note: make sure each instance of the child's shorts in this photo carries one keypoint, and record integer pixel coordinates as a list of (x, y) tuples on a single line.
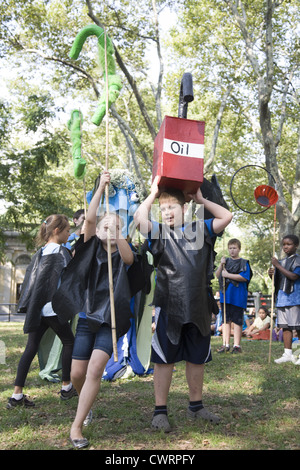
[(289, 317), (86, 341), (192, 346), (233, 314)]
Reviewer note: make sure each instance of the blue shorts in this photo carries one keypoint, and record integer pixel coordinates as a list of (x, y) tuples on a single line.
[(86, 341), (192, 346)]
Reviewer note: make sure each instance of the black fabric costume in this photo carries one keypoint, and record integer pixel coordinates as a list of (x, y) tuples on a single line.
[(40, 283), (183, 288), (280, 280), (85, 288), (234, 266)]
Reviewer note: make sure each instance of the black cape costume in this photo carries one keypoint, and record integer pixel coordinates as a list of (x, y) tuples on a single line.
[(40, 284), (282, 282), (85, 288), (184, 275), (235, 266)]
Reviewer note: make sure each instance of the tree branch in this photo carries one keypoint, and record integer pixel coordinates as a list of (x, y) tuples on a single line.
[(131, 134), (217, 129), (129, 77), (69, 64), (161, 68)]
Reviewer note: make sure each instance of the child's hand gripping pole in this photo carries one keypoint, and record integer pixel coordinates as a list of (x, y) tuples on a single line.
[(111, 285)]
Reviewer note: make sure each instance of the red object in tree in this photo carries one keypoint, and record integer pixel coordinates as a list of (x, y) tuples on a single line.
[(265, 195), (178, 154)]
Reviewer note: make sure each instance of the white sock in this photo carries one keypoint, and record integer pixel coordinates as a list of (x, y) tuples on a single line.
[(17, 396), (288, 352), (66, 388)]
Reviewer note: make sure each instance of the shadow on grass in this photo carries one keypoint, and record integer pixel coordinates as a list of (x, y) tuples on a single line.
[(256, 401)]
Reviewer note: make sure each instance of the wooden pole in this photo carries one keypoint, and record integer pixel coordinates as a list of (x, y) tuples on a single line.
[(273, 287), (224, 295), (84, 197), (83, 182), (110, 276)]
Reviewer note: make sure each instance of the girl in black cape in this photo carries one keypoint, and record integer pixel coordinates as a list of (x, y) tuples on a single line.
[(40, 283), (85, 289)]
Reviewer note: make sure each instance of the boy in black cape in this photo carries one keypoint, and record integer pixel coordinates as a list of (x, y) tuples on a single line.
[(184, 257)]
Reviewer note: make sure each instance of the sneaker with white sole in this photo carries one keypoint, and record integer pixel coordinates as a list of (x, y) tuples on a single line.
[(66, 395), (285, 358), (12, 402)]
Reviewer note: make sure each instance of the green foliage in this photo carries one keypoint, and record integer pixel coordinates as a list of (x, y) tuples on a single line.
[(45, 85)]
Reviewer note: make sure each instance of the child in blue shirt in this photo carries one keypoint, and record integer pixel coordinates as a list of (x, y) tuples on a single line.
[(287, 288), (237, 274)]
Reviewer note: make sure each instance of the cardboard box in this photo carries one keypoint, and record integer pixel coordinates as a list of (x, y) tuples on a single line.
[(178, 156)]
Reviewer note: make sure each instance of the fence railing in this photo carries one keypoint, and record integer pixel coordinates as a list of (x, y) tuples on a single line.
[(8, 312), (258, 300)]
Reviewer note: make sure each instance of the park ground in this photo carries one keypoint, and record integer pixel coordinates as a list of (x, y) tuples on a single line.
[(258, 402)]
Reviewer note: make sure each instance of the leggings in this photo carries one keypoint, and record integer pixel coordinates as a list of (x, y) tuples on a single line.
[(65, 334)]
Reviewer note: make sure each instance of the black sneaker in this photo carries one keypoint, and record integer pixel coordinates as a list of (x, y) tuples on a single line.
[(223, 349), (236, 350), (69, 394), (12, 402)]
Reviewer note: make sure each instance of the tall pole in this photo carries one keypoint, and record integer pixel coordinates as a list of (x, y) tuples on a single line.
[(273, 286), (110, 275), (224, 296)]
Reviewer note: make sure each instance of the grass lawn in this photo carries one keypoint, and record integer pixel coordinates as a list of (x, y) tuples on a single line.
[(257, 401)]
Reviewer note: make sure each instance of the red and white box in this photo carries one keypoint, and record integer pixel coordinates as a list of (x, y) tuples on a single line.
[(178, 156)]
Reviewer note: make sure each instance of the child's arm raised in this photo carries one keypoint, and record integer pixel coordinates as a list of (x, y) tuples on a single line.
[(222, 216), (141, 216), (91, 217), (125, 251), (113, 225)]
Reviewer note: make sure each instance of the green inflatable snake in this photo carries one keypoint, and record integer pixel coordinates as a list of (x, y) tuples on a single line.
[(114, 81), (74, 126)]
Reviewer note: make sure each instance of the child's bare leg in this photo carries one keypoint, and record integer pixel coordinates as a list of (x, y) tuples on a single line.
[(78, 373), (162, 381), (287, 339), (89, 390), (194, 376), (227, 331), (237, 334)]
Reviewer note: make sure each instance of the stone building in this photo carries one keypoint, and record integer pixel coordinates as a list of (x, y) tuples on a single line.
[(12, 271)]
